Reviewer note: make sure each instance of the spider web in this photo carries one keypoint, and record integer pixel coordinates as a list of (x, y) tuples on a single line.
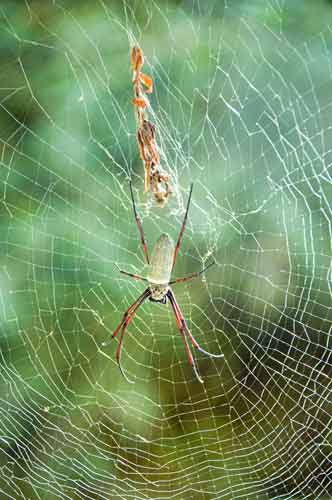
[(242, 107)]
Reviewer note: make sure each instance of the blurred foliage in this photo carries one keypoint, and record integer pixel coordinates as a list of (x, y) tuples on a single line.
[(71, 427)]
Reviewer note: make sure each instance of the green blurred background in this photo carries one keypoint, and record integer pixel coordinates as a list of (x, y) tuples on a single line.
[(242, 107)]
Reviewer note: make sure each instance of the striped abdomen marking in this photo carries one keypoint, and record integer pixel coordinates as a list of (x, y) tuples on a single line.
[(161, 261)]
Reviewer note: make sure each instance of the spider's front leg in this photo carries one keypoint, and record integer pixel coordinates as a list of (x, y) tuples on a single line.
[(139, 225), (183, 227)]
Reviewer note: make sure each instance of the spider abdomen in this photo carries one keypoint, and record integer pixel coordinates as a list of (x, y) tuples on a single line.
[(161, 261)]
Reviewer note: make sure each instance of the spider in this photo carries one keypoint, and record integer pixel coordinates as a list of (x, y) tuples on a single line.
[(159, 289)]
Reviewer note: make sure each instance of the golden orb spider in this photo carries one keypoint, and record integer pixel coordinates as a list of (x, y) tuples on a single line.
[(161, 264)]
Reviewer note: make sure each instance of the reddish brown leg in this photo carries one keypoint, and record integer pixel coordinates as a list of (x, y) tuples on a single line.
[(185, 327), (131, 275), (135, 276), (126, 320), (182, 331), (191, 276), (139, 225), (130, 309), (183, 227)]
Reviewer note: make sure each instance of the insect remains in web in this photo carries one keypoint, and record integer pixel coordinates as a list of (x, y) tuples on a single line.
[(155, 178), (159, 289)]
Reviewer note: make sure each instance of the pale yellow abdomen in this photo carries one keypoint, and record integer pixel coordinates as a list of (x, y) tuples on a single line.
[(161, 261)]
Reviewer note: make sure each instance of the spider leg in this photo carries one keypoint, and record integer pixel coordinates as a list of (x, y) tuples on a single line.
[(139, 225), (177, 246), (126, 320), (131, 275), (118, 355), (190, 335), (182, 331), (128, 312), (191, 276)]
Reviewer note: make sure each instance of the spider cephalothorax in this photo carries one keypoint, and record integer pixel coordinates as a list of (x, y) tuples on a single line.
[(162, 262), (158, 293)]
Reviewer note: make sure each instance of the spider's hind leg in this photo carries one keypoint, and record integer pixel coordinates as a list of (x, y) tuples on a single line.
[(126, 319), (178, 317), (184, 328)]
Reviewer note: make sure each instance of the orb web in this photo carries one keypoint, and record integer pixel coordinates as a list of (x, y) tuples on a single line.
[(242, 107)]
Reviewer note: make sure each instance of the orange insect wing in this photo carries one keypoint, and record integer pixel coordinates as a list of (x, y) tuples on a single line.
[(148, 82), (140, 102)]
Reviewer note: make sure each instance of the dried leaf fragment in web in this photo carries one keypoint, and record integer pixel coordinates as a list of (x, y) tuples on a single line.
[(156, 179)]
